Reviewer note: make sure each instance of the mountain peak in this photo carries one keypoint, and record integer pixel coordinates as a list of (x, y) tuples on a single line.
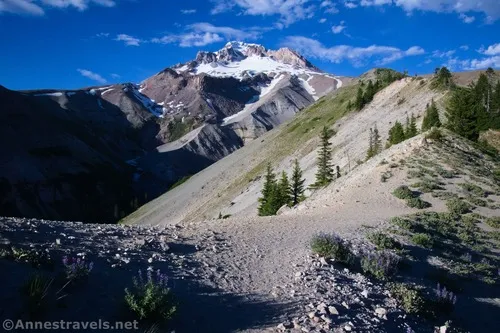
[(241, 60)]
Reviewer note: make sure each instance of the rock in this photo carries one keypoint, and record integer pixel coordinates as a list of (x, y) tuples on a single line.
[(333, 310), (347, 328), (365, 293), (345, 305), (58, 241), (150, 260), (443, 329), (311, 314), (381, 313), (326, 319)]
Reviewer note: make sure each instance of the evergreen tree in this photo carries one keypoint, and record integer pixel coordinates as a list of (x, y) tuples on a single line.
[(370, 153), (431, 117), (412, 128), (407, 127), (396, 134), (462, 113), (338, 172), (495, 100), (349, 105), (369, 93), (270, 199), (284, 191), (377, 143), (359, 102), (297, 186), (324, 175), (443, 77)]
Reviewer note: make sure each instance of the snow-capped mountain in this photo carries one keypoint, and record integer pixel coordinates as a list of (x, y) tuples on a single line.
[(145, 136)]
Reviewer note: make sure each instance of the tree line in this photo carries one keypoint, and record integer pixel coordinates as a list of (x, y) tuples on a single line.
[(277, 193)]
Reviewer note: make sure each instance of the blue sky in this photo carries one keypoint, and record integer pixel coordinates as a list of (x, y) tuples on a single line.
[(77, 43)]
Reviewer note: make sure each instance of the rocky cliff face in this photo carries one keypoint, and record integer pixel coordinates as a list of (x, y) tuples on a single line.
[(102, 151)]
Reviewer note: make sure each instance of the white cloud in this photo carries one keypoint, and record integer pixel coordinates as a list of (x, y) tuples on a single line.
[(91, 75), (443, 54), (26, 7), (329, 7), (350, 5), (492, 50), (102, 35), (368, 3), (490, 8), (464, 47), (336, 29), (322, 20), (221, 6), (200, 34), (493, 62), (36, 7), (289, 11), (358, 56), (115, 76), (467, 19), (128, 40), (188, 11)]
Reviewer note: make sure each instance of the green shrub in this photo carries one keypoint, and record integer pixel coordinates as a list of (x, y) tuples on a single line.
[(417, 203), (427, 186), (408, 297), (36, 258), (381, 265), (457, 206), (434, 134), (423, 240), (150, 298), (493, 222), (403, 223), (473, 189), (383, 241), (331, 246), (476, 201), (403, 192), (445, 173)]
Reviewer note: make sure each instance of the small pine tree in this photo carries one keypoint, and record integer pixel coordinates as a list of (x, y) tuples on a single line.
[(359, 102), (431, 117), (324, 175), (377, 143), (396, 134), (370, 153), (297, 186), (407, 127), (284, 191), (270, 198), (412, 128), (338, 172)]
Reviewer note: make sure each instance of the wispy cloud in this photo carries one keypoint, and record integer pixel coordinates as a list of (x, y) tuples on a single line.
[(188, 11), (490, 58), (336, 29), (200, 34), (91, 75), (115, 76), (128, 40), (466, 19), (290, 11), (329, 7), (37, 7), (490, 8), (322, 20), (358, 56)]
